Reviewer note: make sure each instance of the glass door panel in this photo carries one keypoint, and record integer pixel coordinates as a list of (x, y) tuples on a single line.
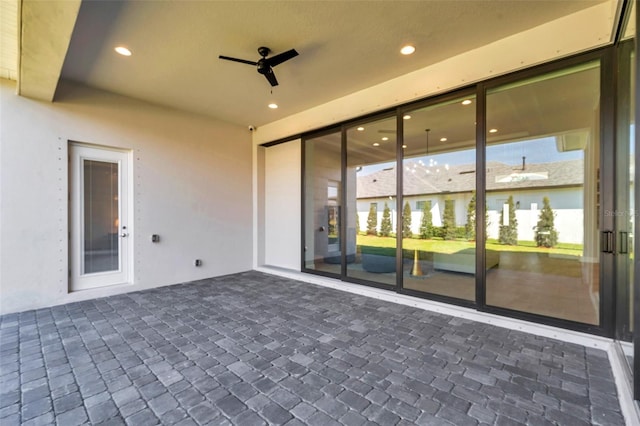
[(542, 195), (625, 211), (439, 180), (101, 246), (322, 192), (372, 211)]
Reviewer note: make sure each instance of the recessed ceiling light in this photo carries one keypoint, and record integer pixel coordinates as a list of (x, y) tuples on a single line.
[(360, 129), (493, 131), (404, 146), (385, 138), (407, 50), (407, 117), (123, 51), (466, 102), (443, 139), (376, 144), (273, 106)]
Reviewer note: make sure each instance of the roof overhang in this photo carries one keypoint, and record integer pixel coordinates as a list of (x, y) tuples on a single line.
[(45, 29)]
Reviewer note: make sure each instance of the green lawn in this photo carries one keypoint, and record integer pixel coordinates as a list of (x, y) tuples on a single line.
[(441, 246)]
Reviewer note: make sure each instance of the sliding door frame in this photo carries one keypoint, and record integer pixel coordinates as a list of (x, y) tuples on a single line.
[(402, 110), (606, 58), (606, 324), (636, 275)]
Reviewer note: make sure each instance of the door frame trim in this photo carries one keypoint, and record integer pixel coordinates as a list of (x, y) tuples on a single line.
[(128, 272)]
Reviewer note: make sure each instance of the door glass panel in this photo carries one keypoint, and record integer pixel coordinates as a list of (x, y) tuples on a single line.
[(101, 216), (322, 203), (439, 248), (625, 213), (632, 214), (372, 213), (542, 182)]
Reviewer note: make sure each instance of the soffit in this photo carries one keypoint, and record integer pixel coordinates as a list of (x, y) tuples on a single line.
[(9, 39), (45, 31)]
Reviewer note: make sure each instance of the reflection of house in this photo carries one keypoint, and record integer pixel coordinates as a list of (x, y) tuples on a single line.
[(561, 181)]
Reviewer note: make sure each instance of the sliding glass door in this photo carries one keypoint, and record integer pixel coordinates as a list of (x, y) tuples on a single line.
[(439, 214), (371, 201), (322, 203), (492, 196), (624, 213), (543, 194)]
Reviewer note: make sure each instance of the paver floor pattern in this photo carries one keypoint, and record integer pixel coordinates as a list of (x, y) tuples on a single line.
[(252, 348)]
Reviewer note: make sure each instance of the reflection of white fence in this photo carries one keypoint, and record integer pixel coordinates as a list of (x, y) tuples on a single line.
[(568, 222)]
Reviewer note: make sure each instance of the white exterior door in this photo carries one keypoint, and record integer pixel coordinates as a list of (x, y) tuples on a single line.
[(100, 243)]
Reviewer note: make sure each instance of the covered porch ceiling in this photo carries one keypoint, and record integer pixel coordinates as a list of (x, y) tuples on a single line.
[(344, 47)]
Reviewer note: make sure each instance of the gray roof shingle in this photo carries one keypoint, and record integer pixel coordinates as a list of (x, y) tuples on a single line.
[(420, 179)]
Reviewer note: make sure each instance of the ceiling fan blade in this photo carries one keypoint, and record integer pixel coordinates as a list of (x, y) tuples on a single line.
[(271, 77), (281, 57), (243, 61)]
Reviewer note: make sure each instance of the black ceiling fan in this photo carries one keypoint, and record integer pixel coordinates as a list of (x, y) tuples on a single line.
[(264, 64)]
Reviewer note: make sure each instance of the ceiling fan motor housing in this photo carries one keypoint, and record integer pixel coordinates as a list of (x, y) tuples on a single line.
[(263, 67)]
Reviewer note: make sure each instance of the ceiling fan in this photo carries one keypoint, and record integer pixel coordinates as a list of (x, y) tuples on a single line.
[(264, 64)]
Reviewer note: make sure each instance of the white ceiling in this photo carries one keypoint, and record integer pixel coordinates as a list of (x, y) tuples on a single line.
[(344, 46)]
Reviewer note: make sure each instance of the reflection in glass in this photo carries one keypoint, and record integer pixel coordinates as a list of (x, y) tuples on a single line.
[(322, 179), (372, 213), (625, 212), (101, 217), (632, 211), (439, 179), (542, 183), (629, 29)]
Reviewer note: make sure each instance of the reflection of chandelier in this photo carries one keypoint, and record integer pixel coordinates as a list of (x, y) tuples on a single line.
[(427, 166), (427, 130)]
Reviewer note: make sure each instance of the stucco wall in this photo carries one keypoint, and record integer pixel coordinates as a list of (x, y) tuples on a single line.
[(192, 186), (282, 205)]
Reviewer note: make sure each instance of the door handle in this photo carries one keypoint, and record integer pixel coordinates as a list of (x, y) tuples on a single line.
[(624, 242), (607, 243)]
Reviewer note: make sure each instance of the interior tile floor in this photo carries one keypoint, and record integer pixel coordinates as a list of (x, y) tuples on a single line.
[(252, 348)]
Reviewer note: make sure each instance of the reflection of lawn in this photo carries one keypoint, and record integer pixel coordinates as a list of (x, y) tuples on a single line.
[(441, 246)]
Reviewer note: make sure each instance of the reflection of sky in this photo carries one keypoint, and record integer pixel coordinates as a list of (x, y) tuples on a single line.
[(536, 151)]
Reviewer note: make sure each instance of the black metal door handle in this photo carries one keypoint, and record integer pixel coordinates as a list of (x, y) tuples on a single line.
[(624, 242), (607, 242)]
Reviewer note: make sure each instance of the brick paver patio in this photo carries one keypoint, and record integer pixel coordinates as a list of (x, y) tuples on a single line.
[(251, 349)]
